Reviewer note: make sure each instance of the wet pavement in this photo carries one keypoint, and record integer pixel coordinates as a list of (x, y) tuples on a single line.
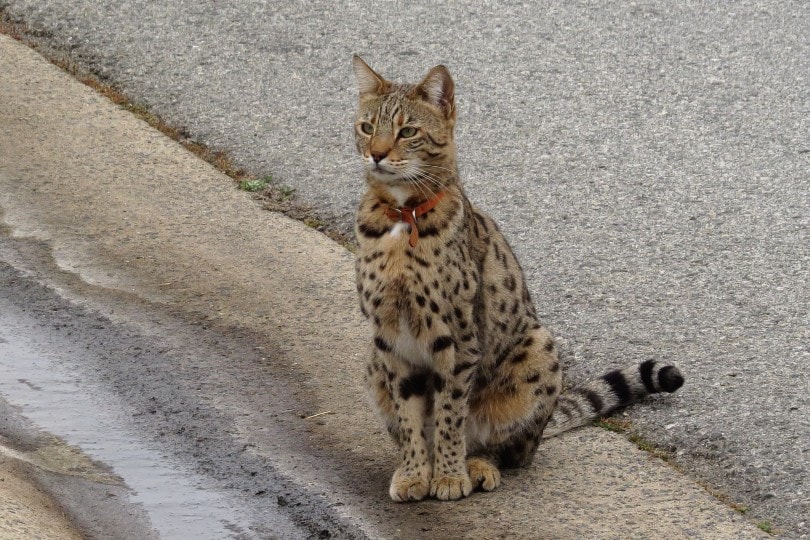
[(75, 430), (53, 384)]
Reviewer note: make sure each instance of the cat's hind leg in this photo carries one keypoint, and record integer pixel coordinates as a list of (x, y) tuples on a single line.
[(483, 473)]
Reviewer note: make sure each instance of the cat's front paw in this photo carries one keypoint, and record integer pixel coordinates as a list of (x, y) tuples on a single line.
[(409, 486), (483, 473), (450, 487)]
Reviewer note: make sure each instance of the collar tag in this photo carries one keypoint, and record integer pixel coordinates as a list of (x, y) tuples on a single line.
[(409, 215)]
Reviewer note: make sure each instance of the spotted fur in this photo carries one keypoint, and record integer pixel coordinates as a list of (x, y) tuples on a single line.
[(463, 374)]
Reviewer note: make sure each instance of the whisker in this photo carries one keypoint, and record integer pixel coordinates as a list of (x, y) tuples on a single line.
[(432, 179), (414, 177), (438, 167), (425, 187)]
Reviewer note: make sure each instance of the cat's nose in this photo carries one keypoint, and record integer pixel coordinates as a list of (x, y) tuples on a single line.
[(378, 156)]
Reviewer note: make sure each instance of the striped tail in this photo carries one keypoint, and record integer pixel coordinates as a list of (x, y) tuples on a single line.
[(594, 399)]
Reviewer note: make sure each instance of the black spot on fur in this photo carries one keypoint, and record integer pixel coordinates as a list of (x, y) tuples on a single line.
[(549, 345), (457, 393), (481, 221), (510, 283), (370, 232), (438, 382), (462, 367), (381, 344), (533, 378), (441, 343), (519, 357), (501, 357), (414, 385)]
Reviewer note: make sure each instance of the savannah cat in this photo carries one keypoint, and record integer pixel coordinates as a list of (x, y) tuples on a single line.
[(463, 374)]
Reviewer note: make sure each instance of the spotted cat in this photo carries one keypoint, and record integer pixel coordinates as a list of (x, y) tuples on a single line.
[(463, 374)]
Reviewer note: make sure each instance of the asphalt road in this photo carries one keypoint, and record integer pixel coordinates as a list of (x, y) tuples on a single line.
[(648, 161)]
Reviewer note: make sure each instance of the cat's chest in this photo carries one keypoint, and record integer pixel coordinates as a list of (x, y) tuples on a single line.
[(394, 270), (407, 298), (423, 286)]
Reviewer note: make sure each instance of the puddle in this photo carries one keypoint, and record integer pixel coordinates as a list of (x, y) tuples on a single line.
[(41, 381)]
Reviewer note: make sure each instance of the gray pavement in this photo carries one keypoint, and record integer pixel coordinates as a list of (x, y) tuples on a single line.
[(649, 162)]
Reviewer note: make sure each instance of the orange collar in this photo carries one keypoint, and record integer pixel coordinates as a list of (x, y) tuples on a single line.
[(409, 215)]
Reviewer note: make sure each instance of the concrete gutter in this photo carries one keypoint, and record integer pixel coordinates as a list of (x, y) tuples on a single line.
[(126, 209)]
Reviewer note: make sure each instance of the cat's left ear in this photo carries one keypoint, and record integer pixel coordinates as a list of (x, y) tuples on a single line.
[(438, 89)]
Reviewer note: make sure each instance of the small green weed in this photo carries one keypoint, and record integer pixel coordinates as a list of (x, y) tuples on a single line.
[(314, 223), (766, 526), (742, 509), (286, 192), (624, 426), (612, 424), (254, 184)]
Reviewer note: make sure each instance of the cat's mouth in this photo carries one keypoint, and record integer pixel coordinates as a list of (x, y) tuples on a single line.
[(381, 172)]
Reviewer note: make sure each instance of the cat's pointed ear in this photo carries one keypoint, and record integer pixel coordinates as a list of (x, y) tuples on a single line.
[(438, 89), (368, 81)]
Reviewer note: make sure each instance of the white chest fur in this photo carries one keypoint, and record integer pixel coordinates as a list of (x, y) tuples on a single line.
[(399, 228), (411, 349)]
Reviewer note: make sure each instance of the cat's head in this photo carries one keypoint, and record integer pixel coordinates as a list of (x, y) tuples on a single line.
[(404, 132)]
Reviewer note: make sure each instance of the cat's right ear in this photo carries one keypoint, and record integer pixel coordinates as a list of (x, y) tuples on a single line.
[(368, 81)]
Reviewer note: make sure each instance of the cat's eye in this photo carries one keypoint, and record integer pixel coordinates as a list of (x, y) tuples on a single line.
[(407, 132), (366, 128)]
